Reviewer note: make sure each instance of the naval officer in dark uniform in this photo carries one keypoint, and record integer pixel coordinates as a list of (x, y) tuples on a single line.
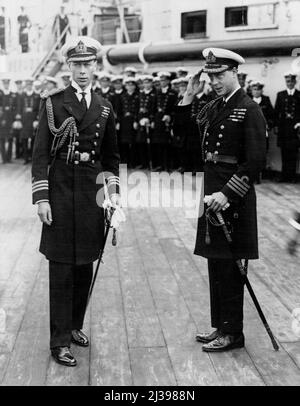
[(233, 132), (287, 125), (75, 143)]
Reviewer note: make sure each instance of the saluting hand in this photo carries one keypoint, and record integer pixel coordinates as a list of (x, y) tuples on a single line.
[(45, 213), (194, 87)]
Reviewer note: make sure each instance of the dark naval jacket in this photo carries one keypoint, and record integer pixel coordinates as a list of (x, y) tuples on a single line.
[(76, 234), (8, 112), (287, 114), (237, 132)]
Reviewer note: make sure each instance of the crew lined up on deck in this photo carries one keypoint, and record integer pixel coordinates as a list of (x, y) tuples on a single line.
[(149, 135)]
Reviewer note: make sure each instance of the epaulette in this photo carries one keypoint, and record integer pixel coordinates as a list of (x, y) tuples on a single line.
[(45, 94)]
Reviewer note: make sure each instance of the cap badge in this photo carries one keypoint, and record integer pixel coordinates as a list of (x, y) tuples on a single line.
[(211, 58), (81, 48)]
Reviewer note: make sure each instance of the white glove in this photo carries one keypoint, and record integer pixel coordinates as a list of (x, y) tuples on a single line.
[(118, 218), (144, 122), (297, 126), (166, 119), (208, 198)]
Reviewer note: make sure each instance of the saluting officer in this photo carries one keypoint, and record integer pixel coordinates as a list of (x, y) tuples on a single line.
[(75, 143), (179, 132), (287, 121), (29, 110), (8, 111), (128, 114), (147, 104), (233, 137), (165, 103), (193, 144)]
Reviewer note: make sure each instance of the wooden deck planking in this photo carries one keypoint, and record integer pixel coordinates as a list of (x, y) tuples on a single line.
[(150, 299)]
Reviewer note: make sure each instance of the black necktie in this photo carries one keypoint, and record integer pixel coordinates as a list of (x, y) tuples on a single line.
[(83, 102), (222, 104)]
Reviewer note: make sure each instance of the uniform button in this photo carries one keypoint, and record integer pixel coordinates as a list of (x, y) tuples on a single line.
[(76, 162), (93, 152), (95, 143), (206, 143), (218, 144), (76, 144), (93, 162), (222, 127), (98, 125), (205, 151), (97, 135), (216, 152), (220, 136), (76, 152)]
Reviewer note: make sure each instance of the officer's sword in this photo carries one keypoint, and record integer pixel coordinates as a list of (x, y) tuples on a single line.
[(114, 243), (243, 270)]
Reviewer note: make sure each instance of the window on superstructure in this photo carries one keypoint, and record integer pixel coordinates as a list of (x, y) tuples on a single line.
[(193, 24), (236, 16)]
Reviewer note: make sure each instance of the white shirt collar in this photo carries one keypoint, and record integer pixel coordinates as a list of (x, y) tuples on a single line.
[(165, 89), (106, 90), (79, 91), (291, 91), (6, 92), (78, 88), (29, 93), (257, 99), (147, 91), (119, 91), (199, 95), (231, 94)]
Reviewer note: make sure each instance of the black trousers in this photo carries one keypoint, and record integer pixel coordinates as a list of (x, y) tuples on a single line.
[(69, 288), (289, 155), (6, 149), (226, 296)]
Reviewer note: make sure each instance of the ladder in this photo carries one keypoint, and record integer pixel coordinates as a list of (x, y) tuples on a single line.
[(51, 64)]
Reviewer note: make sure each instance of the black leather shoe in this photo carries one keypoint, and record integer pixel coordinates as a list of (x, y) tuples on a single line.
[(79, 338), (207, 337), (63, 356), (225, 342)]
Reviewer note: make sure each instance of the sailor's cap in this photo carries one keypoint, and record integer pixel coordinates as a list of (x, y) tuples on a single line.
[(164, 74), (29, 79), (156, 79), (183, 80), (117, 78), (103, 75), (257, 83), (81, 49), (218, 60), (175, 81), (51, 79), (5, 77), (148, 78), (182, 69), (129, 80), (130, 69), (290, 74)]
